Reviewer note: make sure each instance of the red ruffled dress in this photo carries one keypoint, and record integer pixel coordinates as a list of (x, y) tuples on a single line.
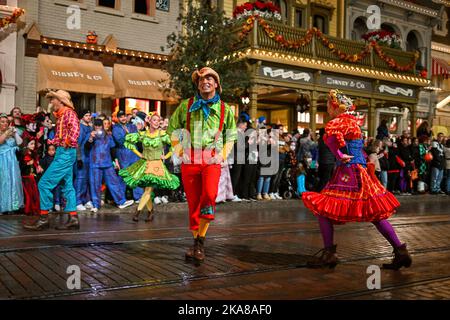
[(354, 193)]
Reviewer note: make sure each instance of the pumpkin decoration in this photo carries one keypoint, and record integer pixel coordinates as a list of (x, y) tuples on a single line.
[(91, 37)]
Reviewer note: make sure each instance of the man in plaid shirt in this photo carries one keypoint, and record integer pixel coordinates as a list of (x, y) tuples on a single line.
[(61, 169), (211, 129)]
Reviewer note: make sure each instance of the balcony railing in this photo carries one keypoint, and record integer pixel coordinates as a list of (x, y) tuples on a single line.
[(258, 39)]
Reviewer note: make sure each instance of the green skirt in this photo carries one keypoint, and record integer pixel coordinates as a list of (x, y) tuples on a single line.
[(144, 173)]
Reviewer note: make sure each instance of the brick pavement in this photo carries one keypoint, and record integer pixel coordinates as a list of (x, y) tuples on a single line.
[(251, 254)]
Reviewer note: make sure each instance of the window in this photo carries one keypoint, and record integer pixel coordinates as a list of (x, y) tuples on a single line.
[(163, 5), (321, 23), (299, 16), (108, 3), (283, 7)]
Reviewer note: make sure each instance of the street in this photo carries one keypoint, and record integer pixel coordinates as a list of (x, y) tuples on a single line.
[(254, 250)]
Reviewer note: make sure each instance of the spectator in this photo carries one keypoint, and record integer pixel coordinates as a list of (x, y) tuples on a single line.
[(30, 168), (383, 155), (265, 143), (16, 114), (415, 154), (327, 161), (251, 164), (238, 159), (395, 165), (283, 147), (373, 152), (45, 163), (382, 130), (423, 166), (10, 179), (424, 131), (405, 155), (83, 163), (437, 164), (447, 165)]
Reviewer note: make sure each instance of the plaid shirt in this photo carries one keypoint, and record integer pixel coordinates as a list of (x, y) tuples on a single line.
[(67, 130), (203, 131)]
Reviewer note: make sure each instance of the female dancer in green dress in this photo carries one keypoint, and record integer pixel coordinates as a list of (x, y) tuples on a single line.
[(149, 172)]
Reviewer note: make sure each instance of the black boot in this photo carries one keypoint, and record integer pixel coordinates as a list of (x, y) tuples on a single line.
[(136, 215), (150, 216), (40, 224), (401, 259), (72, 224), (325, 257)]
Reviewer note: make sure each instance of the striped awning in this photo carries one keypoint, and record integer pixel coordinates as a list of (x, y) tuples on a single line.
[(440, 67)]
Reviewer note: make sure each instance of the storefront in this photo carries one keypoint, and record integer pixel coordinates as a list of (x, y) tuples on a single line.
[(145, 89), (86, 80)]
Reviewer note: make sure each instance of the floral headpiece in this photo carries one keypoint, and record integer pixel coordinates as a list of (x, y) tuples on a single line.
[(153, 113), (341, 101)]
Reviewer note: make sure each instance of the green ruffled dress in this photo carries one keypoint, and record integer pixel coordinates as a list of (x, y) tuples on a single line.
[(149, 171)]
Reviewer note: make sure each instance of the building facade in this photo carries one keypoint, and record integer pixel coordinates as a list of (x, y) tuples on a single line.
[(317, 47), (8, 54), (107, 53), (440, 71)]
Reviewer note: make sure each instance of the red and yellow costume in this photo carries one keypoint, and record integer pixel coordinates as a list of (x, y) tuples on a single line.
[(354, 193)]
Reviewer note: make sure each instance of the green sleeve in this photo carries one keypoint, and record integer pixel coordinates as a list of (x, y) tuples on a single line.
[(131, 139), (229, 126)]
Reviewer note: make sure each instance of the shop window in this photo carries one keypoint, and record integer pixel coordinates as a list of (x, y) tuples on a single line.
[(321, 23), (108, 3)]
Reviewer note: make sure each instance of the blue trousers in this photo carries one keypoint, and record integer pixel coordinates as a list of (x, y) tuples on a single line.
[(436, 179), (263, 185), (82, 184), (114, 184), (60, 170)]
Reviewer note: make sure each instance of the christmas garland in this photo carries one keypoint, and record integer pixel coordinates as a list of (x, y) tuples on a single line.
[(6, 21), (296, 44)]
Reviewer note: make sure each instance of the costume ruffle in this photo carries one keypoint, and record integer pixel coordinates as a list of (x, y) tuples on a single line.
[(136, 176), (352, 196)]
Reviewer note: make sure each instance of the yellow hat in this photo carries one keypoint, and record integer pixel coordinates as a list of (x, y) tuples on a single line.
[(62, 96)]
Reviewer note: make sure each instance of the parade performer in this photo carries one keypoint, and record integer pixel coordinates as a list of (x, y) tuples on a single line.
[(149, 172), (99, 146), (82, 170), (30, 168), (61, 169), (207, 122), (124, 155), (354, 194)]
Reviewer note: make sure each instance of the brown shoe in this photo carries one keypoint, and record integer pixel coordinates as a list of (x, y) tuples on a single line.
[(327, 258), (136, 215), (72, 224), (150, 216), (189, 255), (401, 259), (199, 251), (40, 224)]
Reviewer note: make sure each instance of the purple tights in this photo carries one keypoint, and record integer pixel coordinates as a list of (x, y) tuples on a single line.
[(383, 226)]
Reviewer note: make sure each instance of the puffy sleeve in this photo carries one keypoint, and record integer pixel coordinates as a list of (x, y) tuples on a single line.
[(339, 129), (131, 140)]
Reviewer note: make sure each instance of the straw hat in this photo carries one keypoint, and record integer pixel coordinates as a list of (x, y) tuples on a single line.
[(62, 96), (206, 71)]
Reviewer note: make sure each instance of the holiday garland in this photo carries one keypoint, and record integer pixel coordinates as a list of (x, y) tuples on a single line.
[(296, 44), (6, 21)]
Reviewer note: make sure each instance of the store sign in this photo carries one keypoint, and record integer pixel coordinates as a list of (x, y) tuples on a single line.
[(347, 83), (146, 83), (396, 91), (285, 74), (76, 74)]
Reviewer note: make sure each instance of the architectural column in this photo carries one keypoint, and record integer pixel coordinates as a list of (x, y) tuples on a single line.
[(313, 111), (413, 119), (253, 106), (371, 114)]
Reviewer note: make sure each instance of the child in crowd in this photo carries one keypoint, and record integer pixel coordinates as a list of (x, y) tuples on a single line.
[(301, 177), (30, 168)]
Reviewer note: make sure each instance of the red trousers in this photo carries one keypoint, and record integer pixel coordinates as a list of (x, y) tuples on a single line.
[(200, 182)]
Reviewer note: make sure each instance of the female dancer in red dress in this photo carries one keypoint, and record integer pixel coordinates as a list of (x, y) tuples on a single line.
[(354, 194)]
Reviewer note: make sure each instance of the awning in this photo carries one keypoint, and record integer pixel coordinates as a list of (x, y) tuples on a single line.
[(71, 74), (440, 67), (140, 83)]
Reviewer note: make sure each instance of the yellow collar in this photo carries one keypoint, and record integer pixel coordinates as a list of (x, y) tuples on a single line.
[(152, 135)]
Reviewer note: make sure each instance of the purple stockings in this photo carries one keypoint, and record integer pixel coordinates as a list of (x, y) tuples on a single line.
[(383, 226)]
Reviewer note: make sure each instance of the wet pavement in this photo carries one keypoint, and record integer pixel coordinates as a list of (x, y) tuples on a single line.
[(254, 250)]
